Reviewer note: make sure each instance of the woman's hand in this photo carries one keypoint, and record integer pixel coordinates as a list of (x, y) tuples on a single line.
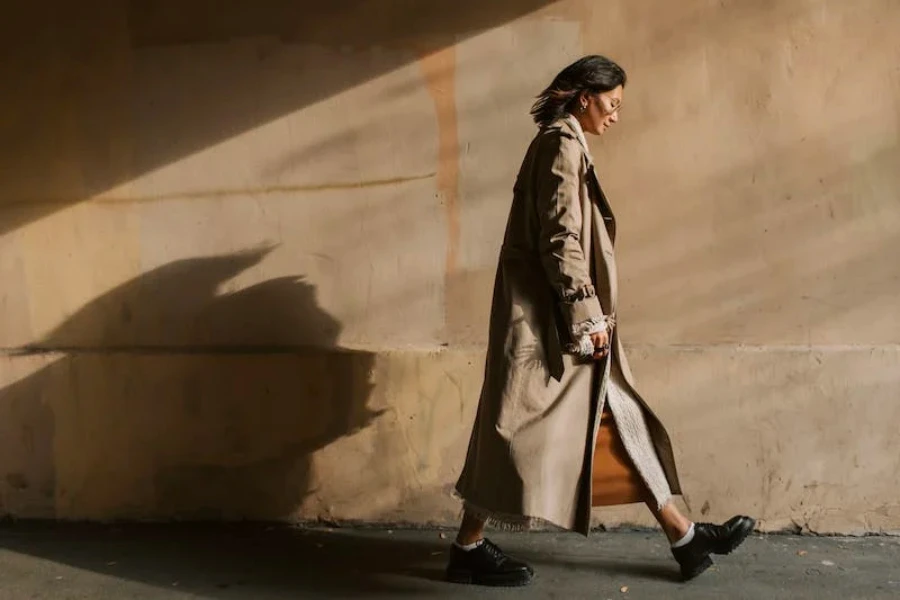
[(601, 344)]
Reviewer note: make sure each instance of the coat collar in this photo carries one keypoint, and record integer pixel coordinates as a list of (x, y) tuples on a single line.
[(571, 125)]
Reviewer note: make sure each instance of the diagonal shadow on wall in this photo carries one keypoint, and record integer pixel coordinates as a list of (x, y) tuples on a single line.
[(97, 94)]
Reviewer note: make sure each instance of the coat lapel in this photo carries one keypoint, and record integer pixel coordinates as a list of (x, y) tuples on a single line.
[(593, 182), (609, 218)]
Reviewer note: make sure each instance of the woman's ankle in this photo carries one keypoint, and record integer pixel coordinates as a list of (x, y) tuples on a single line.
[(471, 531)]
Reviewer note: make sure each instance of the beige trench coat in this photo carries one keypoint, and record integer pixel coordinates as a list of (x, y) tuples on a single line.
[(530, 455)]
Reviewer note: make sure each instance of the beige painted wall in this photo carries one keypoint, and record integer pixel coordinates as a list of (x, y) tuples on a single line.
[(246, 255)]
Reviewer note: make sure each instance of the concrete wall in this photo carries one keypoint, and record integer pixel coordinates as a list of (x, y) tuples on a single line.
[(246, 254)]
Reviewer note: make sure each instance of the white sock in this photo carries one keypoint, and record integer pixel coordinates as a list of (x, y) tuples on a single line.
[(468, 547), (688, 537)]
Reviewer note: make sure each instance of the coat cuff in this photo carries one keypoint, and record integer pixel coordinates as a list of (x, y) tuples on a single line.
[(581, 311), (589, 327)]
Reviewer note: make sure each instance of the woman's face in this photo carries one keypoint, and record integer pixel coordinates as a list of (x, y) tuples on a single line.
[(598, 112)]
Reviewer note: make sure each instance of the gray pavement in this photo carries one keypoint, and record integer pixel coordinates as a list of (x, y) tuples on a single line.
[(42, 561)]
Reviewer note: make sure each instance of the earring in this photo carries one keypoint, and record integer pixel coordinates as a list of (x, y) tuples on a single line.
[(583, 107)]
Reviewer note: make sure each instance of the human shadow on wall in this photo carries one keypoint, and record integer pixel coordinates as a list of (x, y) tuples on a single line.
[(181, 399)]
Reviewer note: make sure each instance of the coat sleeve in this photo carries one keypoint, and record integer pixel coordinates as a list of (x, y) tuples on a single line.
[(558, 200)]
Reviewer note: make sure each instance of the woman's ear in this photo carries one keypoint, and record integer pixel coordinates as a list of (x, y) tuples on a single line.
[(582, 103)]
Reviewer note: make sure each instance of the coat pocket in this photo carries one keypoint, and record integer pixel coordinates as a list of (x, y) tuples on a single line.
[(523, 391), (524, 399), (520, 371)]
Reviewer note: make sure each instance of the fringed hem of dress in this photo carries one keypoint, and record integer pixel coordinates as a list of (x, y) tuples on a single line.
[(505, 521)]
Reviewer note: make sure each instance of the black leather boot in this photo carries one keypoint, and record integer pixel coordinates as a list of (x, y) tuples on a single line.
[(711, 539), (487, 565)]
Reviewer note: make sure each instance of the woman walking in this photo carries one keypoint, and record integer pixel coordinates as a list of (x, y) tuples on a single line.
[(560, 427)]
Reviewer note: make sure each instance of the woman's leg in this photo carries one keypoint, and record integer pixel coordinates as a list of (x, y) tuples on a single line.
[(674, 524), (471, 530)]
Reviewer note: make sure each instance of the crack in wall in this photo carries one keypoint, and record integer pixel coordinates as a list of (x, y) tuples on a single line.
[(229, 193)]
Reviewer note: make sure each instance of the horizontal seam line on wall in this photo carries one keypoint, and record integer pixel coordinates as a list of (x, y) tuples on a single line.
[(307, 349), (169, 350), (226, 193), (767, 347)]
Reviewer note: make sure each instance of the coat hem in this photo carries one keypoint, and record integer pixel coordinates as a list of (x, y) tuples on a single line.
[(505, 521)]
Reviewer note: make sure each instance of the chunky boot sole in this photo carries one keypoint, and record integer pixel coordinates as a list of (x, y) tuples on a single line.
[(472, 578), (747, 527), (688, 574), (743, 530)]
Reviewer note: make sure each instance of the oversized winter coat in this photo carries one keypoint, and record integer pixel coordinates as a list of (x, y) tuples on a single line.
[(530, 455)]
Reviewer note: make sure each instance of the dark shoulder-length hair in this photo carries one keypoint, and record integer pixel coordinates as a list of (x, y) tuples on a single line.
[(591, 74)]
